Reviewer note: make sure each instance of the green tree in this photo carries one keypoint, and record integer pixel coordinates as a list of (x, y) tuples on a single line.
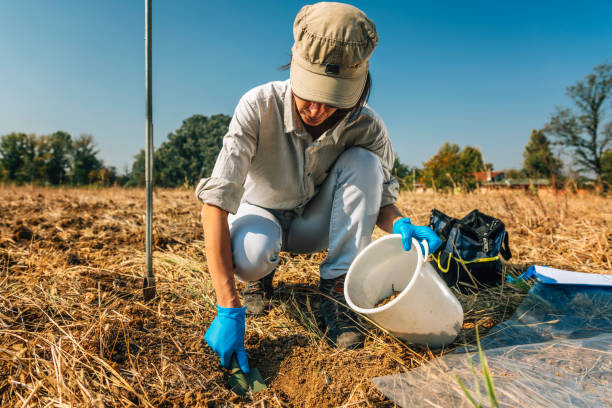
[(191, 151), (440, 171), (137, 173), (539, 160), (584, 130), (515, 174), (136, 176), (41, 159), (399, 170), (84, 160), (606, 167), (10, 155), (404, 174), (453, 168), (58, 150), (470, 161), (17, 157), (188, 155), (448, 147)]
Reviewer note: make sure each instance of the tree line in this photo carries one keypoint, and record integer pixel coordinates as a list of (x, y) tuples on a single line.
[(58, 159), (188, 155), (582, 132), (453, 168), (55, 159)]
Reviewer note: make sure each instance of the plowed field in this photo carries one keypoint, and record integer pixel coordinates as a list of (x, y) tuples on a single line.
[(74, 329)]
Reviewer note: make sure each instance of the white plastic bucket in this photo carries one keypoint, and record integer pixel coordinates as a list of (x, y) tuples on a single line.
[(425, 312)]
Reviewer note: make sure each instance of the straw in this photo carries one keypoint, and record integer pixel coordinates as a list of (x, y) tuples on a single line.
[(75, 331)]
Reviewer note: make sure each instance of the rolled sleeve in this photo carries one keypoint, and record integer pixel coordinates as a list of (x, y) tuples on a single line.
[(389, 192), (225, 187), (221, 193)]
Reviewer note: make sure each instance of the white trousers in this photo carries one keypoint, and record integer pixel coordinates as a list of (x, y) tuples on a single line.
[(341, 218)]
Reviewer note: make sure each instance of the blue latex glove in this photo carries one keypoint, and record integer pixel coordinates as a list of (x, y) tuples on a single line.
[(404, 227), (226, 336)]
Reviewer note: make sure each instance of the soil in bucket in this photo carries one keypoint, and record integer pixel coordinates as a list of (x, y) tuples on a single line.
[(388, 299)]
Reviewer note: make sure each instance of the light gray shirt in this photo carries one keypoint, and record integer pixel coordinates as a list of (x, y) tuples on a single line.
[(268, 159)]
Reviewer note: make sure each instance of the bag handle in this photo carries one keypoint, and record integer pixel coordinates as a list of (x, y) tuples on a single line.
[(505, 248)]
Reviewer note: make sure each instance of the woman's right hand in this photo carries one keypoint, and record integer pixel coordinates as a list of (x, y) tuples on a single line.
[(226, 332), (225, 336), (404, 227)]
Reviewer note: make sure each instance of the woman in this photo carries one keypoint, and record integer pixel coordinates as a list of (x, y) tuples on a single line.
[(305, 166)]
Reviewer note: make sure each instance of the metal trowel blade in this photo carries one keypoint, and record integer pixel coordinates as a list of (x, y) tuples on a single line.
[(242, 383)]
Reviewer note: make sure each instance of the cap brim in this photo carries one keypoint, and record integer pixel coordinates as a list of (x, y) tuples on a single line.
[(334, 91)]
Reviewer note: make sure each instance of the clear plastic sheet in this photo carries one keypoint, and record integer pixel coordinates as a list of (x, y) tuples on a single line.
[(555, 351)]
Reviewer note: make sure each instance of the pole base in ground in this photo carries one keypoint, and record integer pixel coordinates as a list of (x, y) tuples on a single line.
[(148, 288)]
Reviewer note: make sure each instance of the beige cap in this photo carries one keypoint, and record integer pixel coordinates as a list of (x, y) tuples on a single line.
[(329, 61)]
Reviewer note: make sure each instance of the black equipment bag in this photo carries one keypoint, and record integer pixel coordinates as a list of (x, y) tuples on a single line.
[(469, 255)]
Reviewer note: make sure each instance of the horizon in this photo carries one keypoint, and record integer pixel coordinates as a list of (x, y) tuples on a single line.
[(481, 74)]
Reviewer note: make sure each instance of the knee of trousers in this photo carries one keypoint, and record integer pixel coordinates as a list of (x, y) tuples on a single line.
[(255, 249), (362, 163)]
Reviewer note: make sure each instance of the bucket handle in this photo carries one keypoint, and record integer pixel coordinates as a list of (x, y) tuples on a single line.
[(423, 256)]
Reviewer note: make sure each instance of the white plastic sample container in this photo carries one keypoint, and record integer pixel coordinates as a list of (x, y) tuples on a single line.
[(425, 312)]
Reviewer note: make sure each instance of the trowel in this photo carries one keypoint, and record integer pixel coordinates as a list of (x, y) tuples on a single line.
[(241, 382)]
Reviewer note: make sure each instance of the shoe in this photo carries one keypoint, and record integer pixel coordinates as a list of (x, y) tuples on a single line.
[(257, 294), (339, 319)]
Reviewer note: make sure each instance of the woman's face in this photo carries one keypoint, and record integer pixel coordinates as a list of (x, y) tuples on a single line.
[(313, 113)]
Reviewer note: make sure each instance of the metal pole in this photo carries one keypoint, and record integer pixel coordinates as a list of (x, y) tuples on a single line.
[(149, 279)]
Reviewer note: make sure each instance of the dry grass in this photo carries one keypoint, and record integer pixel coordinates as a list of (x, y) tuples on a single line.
[(75, 332)]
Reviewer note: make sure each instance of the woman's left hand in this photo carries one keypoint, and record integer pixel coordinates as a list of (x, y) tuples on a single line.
[(404, 227)]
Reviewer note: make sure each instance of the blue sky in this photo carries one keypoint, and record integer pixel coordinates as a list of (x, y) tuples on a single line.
[(482, 73)]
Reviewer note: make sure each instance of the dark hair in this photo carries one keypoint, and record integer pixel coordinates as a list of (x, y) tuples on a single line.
[(355, 110)]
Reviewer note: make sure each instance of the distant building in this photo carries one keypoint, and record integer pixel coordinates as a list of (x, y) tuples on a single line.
[(489, 176), (497, 179)]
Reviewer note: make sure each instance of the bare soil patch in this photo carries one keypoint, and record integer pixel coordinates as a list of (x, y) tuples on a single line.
[(75, 331)]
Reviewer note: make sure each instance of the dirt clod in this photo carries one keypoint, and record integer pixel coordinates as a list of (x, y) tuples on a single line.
[(22, 233)]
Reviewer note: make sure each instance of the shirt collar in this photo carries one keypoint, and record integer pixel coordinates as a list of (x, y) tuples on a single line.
[(290, 119)]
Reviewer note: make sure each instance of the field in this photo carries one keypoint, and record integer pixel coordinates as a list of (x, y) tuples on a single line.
[(74, 329)]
